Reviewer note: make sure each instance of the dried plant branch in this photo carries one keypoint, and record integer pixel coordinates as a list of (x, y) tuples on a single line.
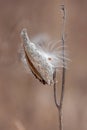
[(54, 86), (63, 71), (59, 105)]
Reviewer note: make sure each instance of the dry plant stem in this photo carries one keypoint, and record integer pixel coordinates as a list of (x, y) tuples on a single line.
[(59, 105), (55, 98)]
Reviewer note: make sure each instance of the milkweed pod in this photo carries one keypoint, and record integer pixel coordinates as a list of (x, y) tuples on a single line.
[(41, 63)]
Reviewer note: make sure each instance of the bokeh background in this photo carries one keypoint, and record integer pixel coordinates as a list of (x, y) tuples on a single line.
[(26, 104)]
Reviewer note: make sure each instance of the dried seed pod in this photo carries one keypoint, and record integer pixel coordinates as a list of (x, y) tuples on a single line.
[(41, 63)]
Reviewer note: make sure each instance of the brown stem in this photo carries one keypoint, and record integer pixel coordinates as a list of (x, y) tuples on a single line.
[(55, 97), (59, 105), (60, 120)]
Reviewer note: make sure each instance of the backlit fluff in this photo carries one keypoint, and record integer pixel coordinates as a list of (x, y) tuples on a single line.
[(42, 58)]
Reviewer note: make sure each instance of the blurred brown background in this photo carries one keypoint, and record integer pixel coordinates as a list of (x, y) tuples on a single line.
[(26, 104)]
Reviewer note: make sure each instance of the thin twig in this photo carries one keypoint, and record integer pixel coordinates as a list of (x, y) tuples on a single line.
[(63, 71), (56, 101), (59, 105), (54, 86)]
